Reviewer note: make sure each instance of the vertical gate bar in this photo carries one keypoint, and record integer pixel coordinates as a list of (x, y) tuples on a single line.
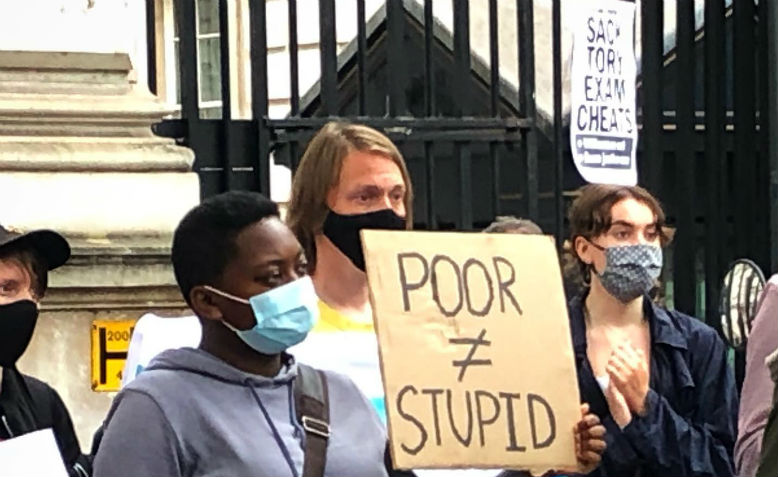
[(494, 90), (743, 50), (429, 111), (329, 59), (224, 60), (714, 131), (685, 278), (494, 155), (462, 56), (772, 130), (559, 224), (361, 54), (429, 162), (259, 99), (187, 44), (494, 59), (463, 107), (294, 160), (396, 58), (527, 109), (762, 235), (429, 66), (650, 167), (294, 80), (151, 45), (294, 60), (462, 149), (224, 70)]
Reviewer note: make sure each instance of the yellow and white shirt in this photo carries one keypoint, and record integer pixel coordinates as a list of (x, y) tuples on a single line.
[(342, 344)]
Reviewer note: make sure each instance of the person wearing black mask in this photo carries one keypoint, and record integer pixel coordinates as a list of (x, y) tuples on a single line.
[(28, 404), (351, 177)]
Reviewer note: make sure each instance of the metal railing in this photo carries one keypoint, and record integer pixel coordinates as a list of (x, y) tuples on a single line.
[(473, 143)]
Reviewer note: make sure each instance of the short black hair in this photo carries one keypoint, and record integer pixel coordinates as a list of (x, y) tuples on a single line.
[(204, 241)]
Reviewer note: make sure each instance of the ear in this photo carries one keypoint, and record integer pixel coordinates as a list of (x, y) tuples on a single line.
[(203, 305), (583, 250)]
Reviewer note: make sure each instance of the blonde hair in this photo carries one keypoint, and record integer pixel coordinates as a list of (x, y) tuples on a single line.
[(319, 171)]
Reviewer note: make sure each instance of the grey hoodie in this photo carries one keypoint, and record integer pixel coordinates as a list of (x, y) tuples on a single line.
[(189, 413)]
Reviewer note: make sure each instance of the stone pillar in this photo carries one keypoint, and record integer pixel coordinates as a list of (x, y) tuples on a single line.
[(77, 155)]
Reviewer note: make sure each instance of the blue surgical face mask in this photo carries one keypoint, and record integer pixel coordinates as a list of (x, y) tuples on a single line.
[(284, 316), (631, 270)]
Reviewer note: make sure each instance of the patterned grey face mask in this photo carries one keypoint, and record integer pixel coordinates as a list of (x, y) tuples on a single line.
[(631, 270)]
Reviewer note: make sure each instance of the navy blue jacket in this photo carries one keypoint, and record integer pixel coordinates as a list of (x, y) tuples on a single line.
[(690, 424)]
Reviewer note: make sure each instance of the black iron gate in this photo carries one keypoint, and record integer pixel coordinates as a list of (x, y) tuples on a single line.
[(473, 142)]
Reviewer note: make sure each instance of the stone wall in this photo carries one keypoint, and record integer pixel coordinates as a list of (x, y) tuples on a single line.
[(77, 155)]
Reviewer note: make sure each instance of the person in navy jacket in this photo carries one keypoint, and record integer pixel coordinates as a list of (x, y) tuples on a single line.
[(658, 379)]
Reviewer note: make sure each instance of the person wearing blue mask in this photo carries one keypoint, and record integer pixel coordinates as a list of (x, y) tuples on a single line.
[(239, 404), (658, 379)]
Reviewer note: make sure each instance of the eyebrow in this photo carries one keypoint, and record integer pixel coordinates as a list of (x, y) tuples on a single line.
[(371, 188), (279, 260), (631, 225)]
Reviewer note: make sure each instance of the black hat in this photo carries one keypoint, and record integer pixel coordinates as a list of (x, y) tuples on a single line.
[(49, 245)]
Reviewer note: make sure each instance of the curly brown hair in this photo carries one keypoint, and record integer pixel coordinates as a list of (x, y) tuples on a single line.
[(590, 216)]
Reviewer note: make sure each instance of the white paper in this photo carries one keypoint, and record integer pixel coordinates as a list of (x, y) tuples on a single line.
[(154, 334), (603, 124), (32, 455)]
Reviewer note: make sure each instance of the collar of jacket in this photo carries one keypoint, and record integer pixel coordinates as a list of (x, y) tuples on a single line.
[(663, 328)]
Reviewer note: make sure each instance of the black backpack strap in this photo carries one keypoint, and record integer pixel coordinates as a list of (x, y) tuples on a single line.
[(313, 413)]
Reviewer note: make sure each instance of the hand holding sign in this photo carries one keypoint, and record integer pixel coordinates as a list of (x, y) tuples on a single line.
[(475, 349), (589, 441)]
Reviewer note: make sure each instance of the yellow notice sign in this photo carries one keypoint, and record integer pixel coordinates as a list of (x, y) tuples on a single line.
[(110, 342), (476, 354)]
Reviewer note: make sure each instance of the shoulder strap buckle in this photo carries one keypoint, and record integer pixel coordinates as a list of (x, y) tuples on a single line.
[(316, 426)]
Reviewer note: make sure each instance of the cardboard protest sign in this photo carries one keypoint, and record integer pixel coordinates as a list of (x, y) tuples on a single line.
[(475, 349), (603, 128)]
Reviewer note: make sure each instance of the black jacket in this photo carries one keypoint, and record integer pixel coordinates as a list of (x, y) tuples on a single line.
[(691, 421), (28, 404)]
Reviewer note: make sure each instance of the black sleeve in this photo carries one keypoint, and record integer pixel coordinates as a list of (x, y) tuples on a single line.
[(390, 470), (51, 412), (78, 464)]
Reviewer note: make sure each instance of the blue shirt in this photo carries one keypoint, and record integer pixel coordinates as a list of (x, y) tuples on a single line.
[(690, 424)]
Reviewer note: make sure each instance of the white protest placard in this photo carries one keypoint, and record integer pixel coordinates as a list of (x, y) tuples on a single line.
[(603, 127), (154, 334), (475, 349), (32, 455)]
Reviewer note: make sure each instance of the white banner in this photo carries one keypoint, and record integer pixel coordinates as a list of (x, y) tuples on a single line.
[(603, 126)]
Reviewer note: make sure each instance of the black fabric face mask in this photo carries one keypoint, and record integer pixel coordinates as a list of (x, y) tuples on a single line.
[(17, 322), (343, 230)]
